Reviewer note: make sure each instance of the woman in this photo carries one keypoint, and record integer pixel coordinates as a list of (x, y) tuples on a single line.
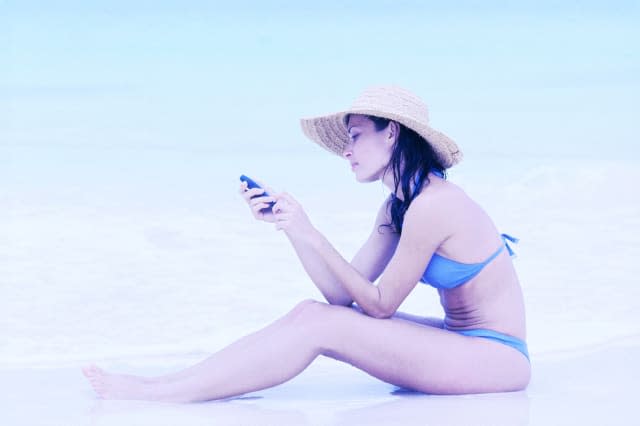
[(428, 231)]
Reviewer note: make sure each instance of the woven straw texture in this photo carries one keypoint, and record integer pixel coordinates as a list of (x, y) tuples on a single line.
[(390, 102)]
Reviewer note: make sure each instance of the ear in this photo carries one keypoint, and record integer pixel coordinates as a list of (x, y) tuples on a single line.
[(393, 131)]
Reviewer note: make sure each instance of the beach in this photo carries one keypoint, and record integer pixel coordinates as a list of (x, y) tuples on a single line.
[(588, 387), (124, 129), (148, 270)]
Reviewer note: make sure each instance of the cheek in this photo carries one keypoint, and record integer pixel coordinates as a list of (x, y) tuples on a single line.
[(372, 148), (372, 151), (383, 153)]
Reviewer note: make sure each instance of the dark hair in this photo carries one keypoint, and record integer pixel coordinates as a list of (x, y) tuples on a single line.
[(418, 158)]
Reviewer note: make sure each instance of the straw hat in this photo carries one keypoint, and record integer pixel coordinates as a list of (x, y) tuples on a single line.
[(394, 103)]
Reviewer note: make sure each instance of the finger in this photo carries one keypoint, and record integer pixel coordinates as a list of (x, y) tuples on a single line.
[(269, 189), (282, 217), (288, 198), (260, 208), (244, 189), (243, 192), (280, 207), (258, 200), (266, 187), (252, 192), (285, 198)]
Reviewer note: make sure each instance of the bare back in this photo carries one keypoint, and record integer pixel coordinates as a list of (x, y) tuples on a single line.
[(493, 298)]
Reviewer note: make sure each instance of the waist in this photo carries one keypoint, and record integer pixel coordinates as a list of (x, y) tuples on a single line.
[(515, 327), (505, 339)]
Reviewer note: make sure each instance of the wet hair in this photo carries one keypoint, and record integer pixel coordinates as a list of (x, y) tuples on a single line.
[(419, 159)]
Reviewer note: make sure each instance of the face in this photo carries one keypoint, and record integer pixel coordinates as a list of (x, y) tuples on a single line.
[(369, 150)]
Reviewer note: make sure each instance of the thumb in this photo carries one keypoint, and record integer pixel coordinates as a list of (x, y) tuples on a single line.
[(287, 197)]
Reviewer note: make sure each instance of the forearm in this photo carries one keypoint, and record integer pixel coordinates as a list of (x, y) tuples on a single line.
[(320, 274), (359, 288)]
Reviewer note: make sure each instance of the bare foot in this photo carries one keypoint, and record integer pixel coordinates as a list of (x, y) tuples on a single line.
[(118, 386)]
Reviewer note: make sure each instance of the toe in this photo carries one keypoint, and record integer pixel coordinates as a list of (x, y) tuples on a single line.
[(92, 370)]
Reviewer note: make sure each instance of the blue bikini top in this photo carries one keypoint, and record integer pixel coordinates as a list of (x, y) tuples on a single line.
[(444, 273)]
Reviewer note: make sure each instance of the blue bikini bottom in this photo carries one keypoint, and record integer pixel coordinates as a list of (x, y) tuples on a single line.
[(505, 339)]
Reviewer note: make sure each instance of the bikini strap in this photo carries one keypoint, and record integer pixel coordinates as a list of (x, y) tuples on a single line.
[(506, 238), (437, 172), (418, 175)]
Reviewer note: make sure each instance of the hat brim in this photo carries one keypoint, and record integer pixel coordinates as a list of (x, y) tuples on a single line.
[(330, 132)]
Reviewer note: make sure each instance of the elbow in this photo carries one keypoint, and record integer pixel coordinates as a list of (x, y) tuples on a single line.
[(381, 315), (382, 312), (382, 307), (340, 301)]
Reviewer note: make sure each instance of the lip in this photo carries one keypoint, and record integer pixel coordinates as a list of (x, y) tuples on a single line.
[(353, 165)]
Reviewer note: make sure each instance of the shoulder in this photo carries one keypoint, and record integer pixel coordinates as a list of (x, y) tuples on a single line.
[(436, 208), (383, 216), (437, 197)]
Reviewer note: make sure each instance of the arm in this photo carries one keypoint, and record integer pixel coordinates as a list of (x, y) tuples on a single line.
[(370, 260), (424, 228), (320, 274)]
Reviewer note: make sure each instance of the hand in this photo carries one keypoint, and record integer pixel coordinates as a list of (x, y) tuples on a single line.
[(259, 205), (290, 217)]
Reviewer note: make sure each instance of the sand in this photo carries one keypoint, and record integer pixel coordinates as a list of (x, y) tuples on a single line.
[(149, 270), (593, 386)]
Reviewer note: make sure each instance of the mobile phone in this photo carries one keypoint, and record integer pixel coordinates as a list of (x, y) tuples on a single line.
[(253, 184)]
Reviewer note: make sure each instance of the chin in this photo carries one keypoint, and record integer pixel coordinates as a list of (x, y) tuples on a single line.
[(367, 179)]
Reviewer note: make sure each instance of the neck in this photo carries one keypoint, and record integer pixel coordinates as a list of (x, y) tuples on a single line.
[(387, 180)]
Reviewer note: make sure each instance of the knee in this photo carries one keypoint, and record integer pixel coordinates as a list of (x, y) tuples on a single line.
[(307, 312), (301, 306)]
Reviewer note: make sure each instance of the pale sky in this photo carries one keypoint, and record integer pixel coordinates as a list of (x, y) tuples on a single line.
[(537, 76)]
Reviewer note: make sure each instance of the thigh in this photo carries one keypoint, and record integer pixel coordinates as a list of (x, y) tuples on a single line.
[(430, 321), (416, 356)]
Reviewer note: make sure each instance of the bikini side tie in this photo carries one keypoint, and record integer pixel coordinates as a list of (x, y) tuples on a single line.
[(506, 238)]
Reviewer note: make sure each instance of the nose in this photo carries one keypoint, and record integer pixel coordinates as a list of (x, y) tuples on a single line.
[(346, 151)]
